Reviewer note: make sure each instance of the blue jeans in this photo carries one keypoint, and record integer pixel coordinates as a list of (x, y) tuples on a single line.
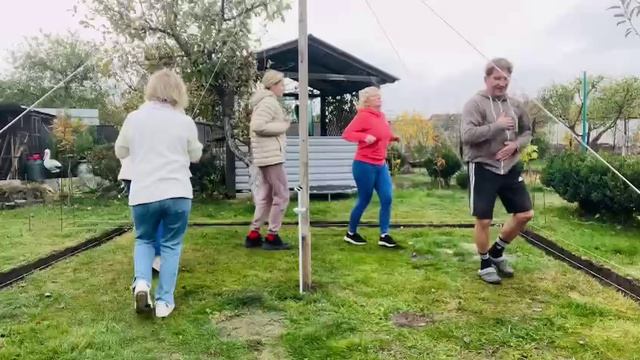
[(174, 216), (371, 177), (156, 245)]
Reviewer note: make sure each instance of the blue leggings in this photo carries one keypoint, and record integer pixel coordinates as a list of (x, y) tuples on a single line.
[(371, 177)]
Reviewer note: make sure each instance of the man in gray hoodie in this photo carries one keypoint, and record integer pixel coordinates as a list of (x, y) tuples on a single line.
[(495, 129)]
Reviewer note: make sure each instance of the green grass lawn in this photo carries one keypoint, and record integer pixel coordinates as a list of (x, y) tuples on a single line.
[(235, 303), (415, 201), (23, 240)]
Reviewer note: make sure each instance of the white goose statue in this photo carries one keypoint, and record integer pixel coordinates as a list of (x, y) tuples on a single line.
[(50, 164)]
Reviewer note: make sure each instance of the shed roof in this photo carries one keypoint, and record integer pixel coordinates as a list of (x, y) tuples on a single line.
[(332, 71)]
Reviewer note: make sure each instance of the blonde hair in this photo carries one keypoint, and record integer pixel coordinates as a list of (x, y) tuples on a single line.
[(365, 94), (167, 86), (271, 78)]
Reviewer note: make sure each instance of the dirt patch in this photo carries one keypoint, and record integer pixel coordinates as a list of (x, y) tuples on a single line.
[(412, 320), (259, 330)]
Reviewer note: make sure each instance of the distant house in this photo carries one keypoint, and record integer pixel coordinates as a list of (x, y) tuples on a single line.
[(89, 117)]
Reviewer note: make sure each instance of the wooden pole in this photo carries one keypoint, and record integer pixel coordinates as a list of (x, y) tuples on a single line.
[(303, 90)]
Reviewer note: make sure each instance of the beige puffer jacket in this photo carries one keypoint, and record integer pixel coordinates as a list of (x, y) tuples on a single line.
[(269, 124)]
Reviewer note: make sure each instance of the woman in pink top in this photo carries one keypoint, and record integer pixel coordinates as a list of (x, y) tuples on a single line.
[(371, 130)]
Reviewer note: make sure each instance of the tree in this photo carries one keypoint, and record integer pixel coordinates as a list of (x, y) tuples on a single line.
[(340, 111), (539, 118), (624, 15), (609, 101), (617, 101), (565, 101), (207, 41), (43, 61), (417, 133)]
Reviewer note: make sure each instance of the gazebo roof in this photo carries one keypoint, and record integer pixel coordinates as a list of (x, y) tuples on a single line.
[(332, 71)]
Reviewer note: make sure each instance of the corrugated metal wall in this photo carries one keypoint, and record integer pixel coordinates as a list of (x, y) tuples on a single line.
[(330, 159)]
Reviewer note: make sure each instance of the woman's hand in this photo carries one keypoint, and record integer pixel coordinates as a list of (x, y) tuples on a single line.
[(370, 139)]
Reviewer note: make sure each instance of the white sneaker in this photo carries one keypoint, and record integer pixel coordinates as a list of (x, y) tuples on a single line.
[(163, 309), (156, 264), (142, 297)]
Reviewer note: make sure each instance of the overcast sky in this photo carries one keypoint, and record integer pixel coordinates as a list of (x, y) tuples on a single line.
[(548, 40)]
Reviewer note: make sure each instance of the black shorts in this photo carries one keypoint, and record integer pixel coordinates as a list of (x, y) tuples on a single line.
[(485, 186)]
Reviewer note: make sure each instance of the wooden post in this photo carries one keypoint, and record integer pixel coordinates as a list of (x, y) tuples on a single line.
[(303, 90)]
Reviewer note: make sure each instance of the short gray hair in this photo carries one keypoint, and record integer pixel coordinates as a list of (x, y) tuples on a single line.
[(500, 63)]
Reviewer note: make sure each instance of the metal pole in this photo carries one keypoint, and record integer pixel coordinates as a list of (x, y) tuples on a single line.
[(303, 129), (585, 125)]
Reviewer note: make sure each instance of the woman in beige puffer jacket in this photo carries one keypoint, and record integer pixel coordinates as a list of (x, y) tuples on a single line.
[(268, 128)]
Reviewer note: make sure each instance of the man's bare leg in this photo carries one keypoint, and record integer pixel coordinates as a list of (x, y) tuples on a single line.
[(511, 229), (515, 225), (481, 235)]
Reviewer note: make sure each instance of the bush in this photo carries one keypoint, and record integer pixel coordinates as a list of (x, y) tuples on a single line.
[(84, 144), (544, 146), (104, 162), (207, 176), (442, 164), (580, 178), (462, 180), (396, 160)]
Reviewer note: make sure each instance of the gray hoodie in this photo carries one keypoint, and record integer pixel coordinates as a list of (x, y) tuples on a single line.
[(482, 139)]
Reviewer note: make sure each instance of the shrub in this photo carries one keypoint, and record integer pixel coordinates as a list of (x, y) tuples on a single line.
[(208, 176), (396, 159), (442, 164), (462, 179), (544, 146), (580, 178), (104, 162)]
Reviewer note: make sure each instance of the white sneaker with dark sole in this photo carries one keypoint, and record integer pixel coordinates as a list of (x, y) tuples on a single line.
[(163, 309), (142, 297)]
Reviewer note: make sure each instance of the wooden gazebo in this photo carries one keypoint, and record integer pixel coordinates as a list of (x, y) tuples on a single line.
[(332, 72)]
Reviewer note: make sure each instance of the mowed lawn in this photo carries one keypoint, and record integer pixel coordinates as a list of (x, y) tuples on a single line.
[(235, 303)]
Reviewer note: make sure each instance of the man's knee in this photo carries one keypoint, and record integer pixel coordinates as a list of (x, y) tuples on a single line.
[(483, 223), (525, 217)]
